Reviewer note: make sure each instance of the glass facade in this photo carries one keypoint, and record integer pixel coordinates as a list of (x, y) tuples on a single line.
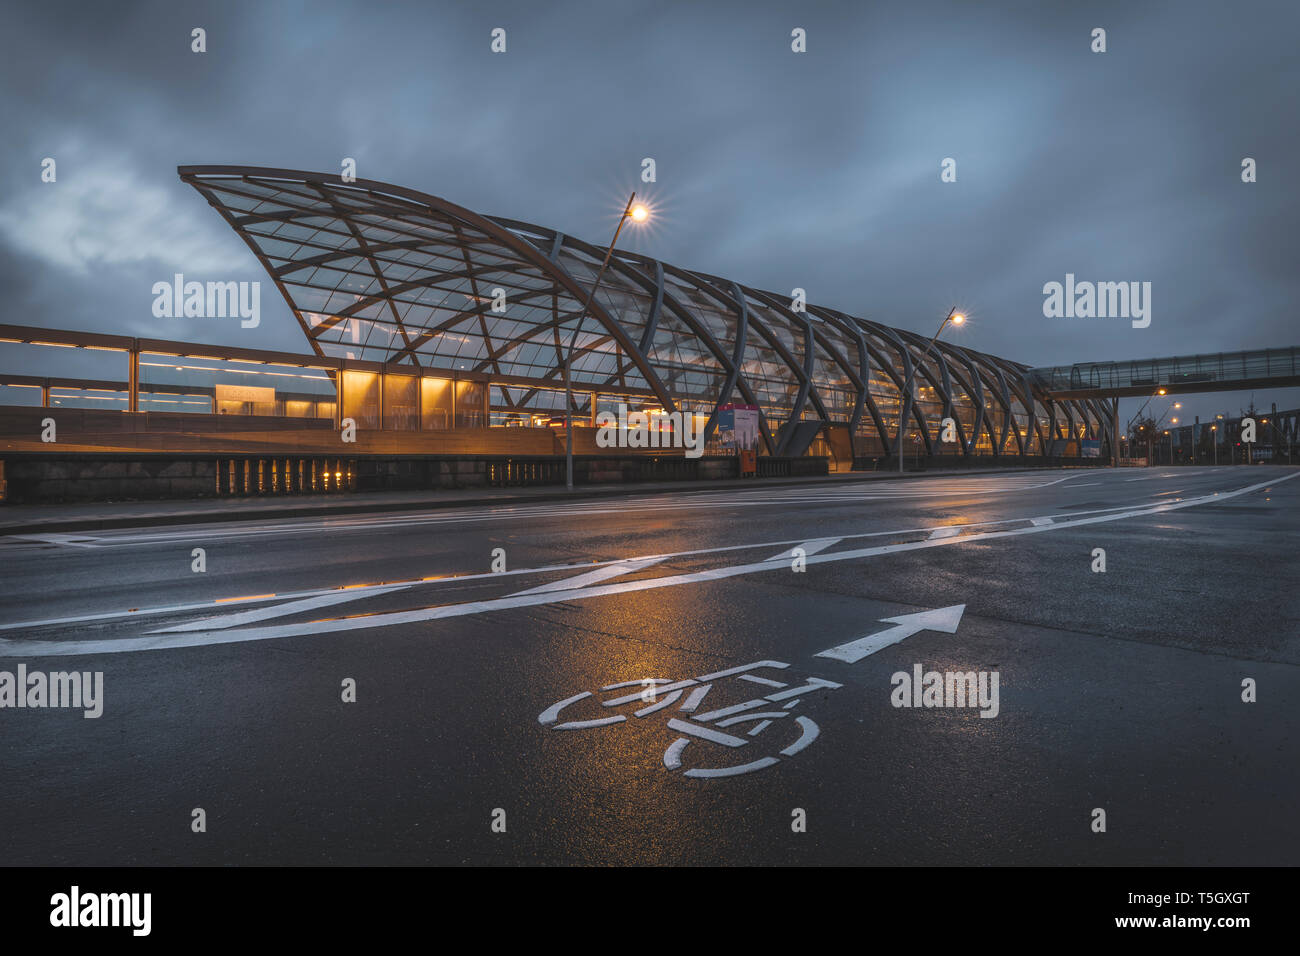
[(385, 274)]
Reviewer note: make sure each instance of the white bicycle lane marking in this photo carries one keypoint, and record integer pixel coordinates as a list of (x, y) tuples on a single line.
[(761, 713), (164, 640)]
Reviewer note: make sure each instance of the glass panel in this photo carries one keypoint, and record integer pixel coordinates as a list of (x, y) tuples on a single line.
[(470, 400), (435, 403), (401, 402), (361, 398)]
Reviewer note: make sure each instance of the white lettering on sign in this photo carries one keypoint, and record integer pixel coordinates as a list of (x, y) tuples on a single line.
[(245, 393)]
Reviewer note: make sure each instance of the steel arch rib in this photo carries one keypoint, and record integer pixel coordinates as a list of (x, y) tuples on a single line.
[(802, 372), (505, 237), (907, 407), (808, 389), (869, 335), (735, 379), (515, 255), (622, 265), (861, 378)]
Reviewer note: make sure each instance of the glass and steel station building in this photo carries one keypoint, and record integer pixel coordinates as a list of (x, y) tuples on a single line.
[(420, 316)]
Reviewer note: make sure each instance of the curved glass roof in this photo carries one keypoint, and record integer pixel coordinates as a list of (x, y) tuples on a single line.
[(383, 273)]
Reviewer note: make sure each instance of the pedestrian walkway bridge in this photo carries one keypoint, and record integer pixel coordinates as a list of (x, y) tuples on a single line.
[(1214, 372)]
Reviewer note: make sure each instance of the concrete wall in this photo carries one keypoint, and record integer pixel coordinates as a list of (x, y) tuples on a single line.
[(43, 477), (31, 479)]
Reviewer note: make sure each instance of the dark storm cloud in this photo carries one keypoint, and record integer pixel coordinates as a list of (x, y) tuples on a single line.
[(818, 170)]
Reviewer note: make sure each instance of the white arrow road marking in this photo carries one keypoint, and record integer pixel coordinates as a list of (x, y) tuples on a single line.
[(282, 610), (943, 619), (614, 570), (809, 547), (457, 579), (37, 648)]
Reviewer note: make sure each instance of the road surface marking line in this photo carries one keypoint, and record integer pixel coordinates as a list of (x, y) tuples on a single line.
[(810, 733), (809, 547), (734, 771), (1040, 522), (717, 737), (673, 755), (695, 698), (460, 578), (644, 682), (763, 680), (766, 716), (660, 704), (315, 628), (551, 714), (617, 569), (753, 498), (639, 695), (947, 531), (585, 724), (733, 709), (814, 683), (282, 610)]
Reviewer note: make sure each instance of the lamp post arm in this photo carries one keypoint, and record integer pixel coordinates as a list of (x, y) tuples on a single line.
[(907, 384)]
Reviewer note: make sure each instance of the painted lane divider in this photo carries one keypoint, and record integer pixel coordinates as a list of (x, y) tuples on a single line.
[(614, 570), (815, 546), (169, 638)]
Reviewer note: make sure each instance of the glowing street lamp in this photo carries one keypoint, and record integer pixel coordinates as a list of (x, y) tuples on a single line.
[(956, 318)]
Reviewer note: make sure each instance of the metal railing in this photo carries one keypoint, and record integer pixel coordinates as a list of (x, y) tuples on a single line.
[(246, 477)]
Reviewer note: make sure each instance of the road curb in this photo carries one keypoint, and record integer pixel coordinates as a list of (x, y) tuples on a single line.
[(382, 507)]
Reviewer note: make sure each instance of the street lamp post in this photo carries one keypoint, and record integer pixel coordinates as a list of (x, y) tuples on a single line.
[(638, 214), (1214, 434), (956, 318)]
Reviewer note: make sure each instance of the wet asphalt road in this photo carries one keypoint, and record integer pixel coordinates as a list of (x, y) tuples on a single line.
[(1118, 690)]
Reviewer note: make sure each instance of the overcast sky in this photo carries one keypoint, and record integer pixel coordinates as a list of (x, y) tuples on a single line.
[(819, 170)]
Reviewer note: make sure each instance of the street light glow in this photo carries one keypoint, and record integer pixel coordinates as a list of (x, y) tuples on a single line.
[(639, 213), (958, 318)]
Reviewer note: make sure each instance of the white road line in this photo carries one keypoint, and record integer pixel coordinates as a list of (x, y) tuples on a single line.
[(867, 491), (362, 590), (282, 610), (315, 628), (612, 570), (808, 547)]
